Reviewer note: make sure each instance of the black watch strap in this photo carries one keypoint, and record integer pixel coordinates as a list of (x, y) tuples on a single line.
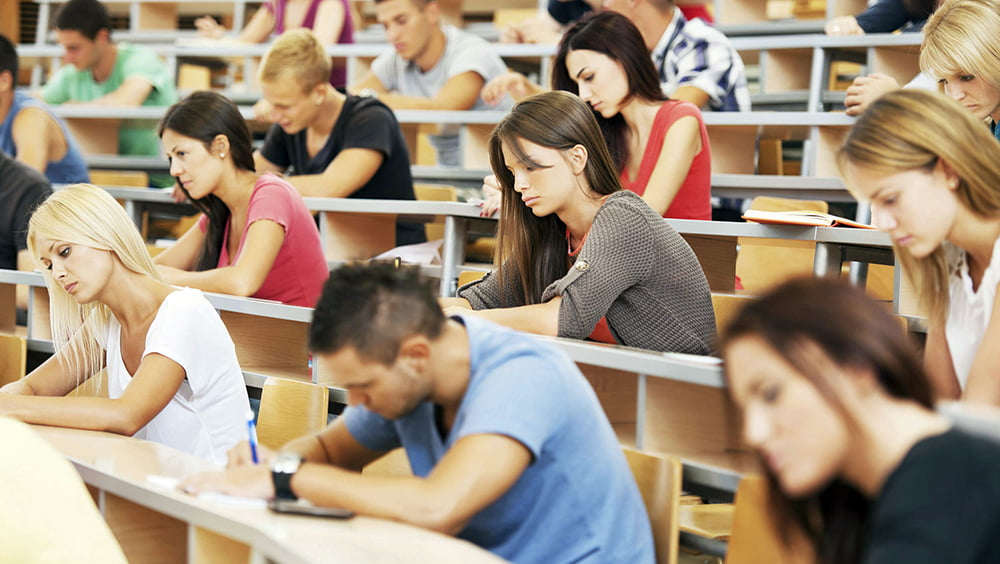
[(283, 485)]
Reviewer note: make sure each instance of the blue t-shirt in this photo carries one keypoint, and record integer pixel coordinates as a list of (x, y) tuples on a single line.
[(68, 170), (577, 500)]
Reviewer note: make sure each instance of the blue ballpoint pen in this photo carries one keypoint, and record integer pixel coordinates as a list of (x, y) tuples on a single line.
[(252, 430)]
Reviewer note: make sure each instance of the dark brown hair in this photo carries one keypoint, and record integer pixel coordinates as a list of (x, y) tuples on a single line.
[(851, 330), (615, 36)]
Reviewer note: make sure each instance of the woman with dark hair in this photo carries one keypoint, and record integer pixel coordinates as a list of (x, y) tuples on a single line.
[(835, 401), (660, 146), (257, 238), (578, 256)]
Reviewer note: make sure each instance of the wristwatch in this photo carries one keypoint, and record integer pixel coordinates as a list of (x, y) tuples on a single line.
[(283, 467)]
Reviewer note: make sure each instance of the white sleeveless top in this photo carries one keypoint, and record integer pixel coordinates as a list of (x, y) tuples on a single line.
[(969, 311), (207, 415)]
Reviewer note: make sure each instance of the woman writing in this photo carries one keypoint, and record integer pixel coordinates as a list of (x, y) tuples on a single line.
[(578, 256), (172, 371), (256, 238), (660, 146), (929, 169), (835, 401)]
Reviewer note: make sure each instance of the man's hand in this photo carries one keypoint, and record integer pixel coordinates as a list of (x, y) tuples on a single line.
[(843, 25), (491, 196), (513, 83), (240, 455), (244, 481), (865, 90)]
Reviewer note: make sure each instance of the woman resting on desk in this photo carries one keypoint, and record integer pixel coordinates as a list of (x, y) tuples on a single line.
[(660, 145), (330, 20), (257, 238), (835, 401), (171, 367), (578, 256), (930, 170)]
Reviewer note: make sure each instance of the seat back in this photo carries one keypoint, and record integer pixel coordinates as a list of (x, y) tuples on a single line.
[(763, 263), (659, 481), (436, 193), (755, 536), (290, 409)]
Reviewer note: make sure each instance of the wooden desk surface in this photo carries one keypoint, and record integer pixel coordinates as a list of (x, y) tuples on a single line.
[(119, 466)]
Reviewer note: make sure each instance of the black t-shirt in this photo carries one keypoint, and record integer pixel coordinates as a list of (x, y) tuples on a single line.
[(363, 123), (22, 189), (940, 505), (568, 11)]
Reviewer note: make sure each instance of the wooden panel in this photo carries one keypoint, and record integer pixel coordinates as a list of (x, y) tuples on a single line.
[(710, 520), (39, 311), (8, 303), (733, 149), (145, 536), (726, 306), (394, 463), (289, 410), (10, 16), (787, 69), (212, 547), (350, 236), (659, 481), (684, 418), (900, 62), (741, 12), (94, 387), (157, 15), (267, 342), (13, 355), (95, 136), (618, 393), (717, 256), (830, 141), (477, 146)]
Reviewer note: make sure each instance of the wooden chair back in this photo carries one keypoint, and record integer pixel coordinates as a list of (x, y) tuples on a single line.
[(290, 409), (726, 306), (755, 536), (659, 481), (763, 263), (13, 357), (394, 463), (95, 387), (436, 193)]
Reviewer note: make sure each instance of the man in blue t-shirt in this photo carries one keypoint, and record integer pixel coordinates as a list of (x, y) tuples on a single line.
[(508, 444)]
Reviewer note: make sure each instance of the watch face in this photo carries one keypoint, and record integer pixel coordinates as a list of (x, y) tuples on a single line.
[(286, 463)]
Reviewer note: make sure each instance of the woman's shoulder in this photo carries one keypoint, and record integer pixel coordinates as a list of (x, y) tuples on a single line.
[(625, 202), (185, 299), (676, 109)]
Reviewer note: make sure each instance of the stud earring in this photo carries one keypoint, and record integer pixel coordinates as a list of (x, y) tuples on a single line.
[(222, 155)]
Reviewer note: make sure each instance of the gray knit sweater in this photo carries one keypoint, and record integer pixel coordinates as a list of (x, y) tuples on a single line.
[(635, 270)]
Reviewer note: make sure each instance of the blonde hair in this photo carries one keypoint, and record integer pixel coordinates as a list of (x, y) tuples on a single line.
[(960, 37), (299, 55), (83, 214), (912, 130)]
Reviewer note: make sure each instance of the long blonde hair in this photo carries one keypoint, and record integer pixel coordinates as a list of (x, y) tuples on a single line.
[(912, 130), (86, 215), (960, 37)]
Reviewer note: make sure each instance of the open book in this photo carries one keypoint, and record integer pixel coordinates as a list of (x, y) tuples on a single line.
[(804, 217)]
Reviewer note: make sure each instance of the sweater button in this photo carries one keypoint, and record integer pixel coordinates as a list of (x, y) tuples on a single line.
[(581, 265)]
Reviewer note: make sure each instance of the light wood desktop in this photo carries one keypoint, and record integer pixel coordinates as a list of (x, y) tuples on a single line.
[(156, 524)]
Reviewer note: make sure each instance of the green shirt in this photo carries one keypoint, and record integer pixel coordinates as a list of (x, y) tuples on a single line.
[(135, 137)]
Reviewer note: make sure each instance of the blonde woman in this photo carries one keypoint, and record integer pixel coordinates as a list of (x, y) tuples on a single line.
[(962, 52), (929, 169), (171, 366)]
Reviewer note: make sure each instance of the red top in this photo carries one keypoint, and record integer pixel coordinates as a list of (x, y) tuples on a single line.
[(693, 200), (299, 270)]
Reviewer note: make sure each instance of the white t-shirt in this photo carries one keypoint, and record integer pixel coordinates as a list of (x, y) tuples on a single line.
[(207, 415), (969, 311)]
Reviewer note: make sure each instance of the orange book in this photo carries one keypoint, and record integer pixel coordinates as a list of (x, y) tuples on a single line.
[(814, 218)]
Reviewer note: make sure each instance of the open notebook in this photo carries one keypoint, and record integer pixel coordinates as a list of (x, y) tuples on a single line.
[(803, 217)]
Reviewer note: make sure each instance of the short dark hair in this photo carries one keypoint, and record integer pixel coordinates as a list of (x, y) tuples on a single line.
[(8, 57), (86, 16), (373, 307)]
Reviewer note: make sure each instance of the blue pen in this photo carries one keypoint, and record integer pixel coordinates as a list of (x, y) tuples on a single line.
[(252, 431)]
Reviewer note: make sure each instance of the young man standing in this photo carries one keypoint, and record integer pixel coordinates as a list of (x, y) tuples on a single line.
[(429, 67), (30, 133), (509, 446), (101, 71)]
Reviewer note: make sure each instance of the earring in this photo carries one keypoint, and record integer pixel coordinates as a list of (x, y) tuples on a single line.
[(222, 155)]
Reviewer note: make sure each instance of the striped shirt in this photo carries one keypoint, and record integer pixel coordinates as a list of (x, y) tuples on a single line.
[(693, 53)]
